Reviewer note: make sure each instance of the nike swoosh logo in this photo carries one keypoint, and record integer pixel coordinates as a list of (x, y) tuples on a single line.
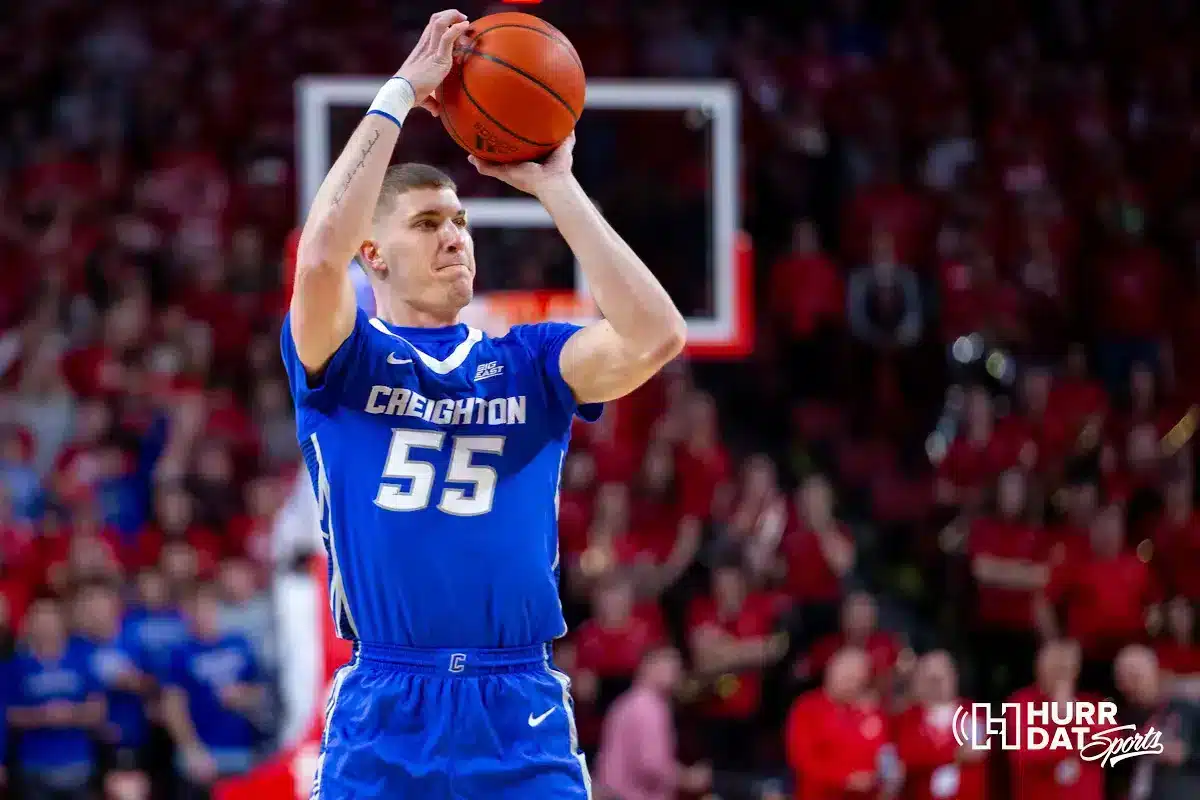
[(535, 721), (391, 359)]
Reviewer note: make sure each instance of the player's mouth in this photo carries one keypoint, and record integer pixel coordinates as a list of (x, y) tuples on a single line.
[(457, 264)]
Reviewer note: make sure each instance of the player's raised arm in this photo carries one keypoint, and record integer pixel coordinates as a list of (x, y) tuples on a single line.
[(322, 305), (642, 329)]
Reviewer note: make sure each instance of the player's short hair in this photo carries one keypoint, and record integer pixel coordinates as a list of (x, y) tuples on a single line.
[(401, 178)]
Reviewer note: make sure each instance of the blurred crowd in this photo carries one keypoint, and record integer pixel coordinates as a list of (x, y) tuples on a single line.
[(957, 465)]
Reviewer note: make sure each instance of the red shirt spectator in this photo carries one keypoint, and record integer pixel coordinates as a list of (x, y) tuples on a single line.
[(701, 462), (978, 455), (933, 769), (730, 617), (811, 578), (616, 459), (833, 736), (1049, 773), (1177, 542), (807, 289), (1133, 293), (1076, 398), (886, 205), (859, 629), (612, 643), (1106, 594), (654, 527), (1178, 651), (881, 648), (1005, 542), (1180, 659), (815, 548)]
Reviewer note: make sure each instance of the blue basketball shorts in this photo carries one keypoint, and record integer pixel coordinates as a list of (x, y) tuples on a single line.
[(450, 725)]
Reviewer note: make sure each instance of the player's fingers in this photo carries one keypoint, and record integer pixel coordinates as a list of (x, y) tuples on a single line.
[(443, 20), (431, 105), (481, 166), (446, 45)]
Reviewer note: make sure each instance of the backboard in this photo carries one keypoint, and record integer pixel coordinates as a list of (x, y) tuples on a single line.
[(722, 327)]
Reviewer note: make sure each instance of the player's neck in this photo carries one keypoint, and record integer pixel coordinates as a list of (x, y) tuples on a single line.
[(404, 315)]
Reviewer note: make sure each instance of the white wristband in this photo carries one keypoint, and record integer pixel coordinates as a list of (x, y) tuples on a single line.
[(394, 100)]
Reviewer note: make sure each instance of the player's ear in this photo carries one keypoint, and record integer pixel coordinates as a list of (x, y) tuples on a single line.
[(371, 258)]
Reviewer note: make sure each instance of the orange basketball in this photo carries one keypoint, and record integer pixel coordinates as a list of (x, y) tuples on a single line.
[(516, 91)]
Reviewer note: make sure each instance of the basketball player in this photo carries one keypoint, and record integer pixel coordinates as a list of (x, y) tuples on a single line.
[(435, 452)]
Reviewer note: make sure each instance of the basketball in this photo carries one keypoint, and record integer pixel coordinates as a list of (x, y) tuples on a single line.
[(516, 90)]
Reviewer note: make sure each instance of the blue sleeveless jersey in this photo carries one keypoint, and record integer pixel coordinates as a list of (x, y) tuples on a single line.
[(436, 456)]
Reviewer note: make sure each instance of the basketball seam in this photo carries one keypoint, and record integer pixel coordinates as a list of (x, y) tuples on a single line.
[(453, 131), (553, 35), (531, 78), (463, 83)]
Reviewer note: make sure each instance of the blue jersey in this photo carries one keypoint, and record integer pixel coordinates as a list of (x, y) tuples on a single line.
[(153, 635), (112, 661), (436, 455), (202, 669), (37, 683)]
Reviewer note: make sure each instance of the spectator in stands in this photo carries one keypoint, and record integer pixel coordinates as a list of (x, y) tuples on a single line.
[(732, 640), (17, 473), (886, 317), (860, 630), (1106, 596), (120, 669), (1177, 540), (663, 533), (1008, 558), (1050, 774), (56, 708), (637, 759), (1178, 650), (154, 625), (936, 766), (1135, 285), (213, 696), (611, 644), (834, 734), (816, 555), (1175, 773), (702, 464), (808, 306), (246, 610)]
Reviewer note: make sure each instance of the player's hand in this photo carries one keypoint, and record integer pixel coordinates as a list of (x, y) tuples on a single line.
[(430, 61), (530, 176)]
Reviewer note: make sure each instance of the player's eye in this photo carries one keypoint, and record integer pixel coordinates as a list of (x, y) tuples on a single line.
[(460, 222), (427, 225)]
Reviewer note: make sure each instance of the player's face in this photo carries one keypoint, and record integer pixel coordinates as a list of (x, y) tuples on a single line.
[(428, 250)]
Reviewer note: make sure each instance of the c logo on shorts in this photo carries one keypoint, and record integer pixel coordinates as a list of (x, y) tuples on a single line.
[(458, 662)]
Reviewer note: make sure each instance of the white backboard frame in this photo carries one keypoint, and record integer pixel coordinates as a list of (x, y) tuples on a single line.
[(719, 100)]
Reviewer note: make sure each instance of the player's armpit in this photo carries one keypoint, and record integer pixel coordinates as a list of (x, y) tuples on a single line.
[(322, 311), (600, 365)]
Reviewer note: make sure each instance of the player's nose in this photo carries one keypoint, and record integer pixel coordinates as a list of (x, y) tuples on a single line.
[(452, 238)]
